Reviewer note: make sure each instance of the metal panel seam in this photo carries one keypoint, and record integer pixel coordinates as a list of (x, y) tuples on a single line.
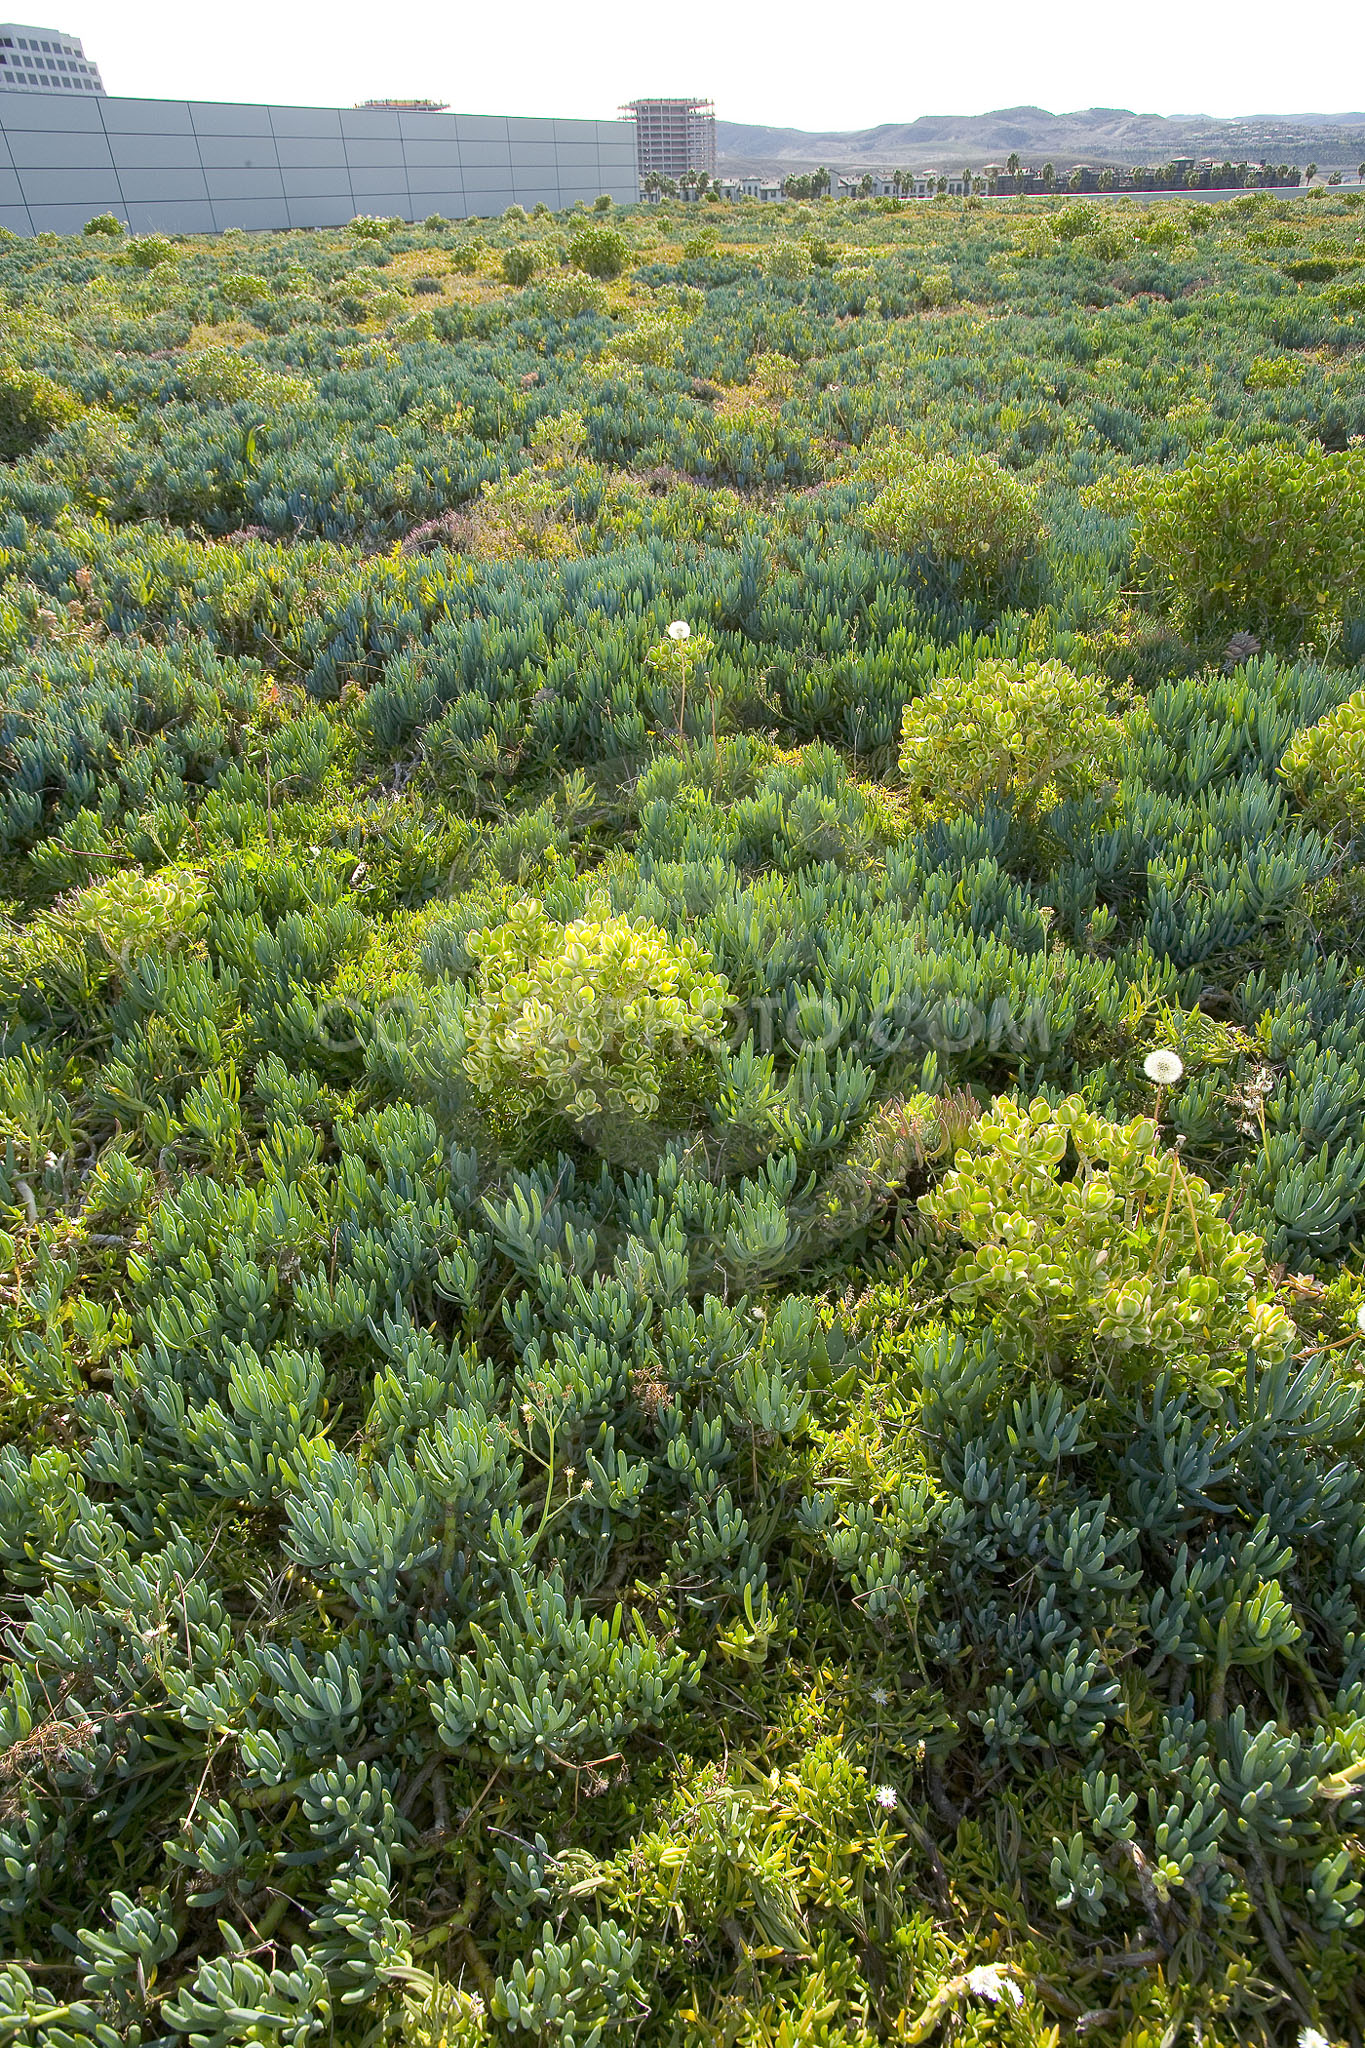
[(203, 172), (110, 147)]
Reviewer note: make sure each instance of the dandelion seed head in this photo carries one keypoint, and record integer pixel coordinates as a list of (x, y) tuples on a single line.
[(1163, 1066), (991, 1983), (680, 630)]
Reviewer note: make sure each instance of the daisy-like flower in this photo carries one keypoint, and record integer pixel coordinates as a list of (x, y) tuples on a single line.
[(885, 1796), (991, 1983), (1360, 1319), (680, 630), (879, 1695), (1309, 2037), (1163, 1066)]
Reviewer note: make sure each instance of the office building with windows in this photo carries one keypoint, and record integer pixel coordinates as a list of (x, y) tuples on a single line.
[(673, 137), (44, 60)]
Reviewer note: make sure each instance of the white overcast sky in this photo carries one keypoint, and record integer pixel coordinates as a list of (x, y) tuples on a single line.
[(786, 64)]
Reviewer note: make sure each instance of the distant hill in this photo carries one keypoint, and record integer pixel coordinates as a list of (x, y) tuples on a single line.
[(1095, 135)]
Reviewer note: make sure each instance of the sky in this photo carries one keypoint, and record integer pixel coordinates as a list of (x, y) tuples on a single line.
[(794, 65)]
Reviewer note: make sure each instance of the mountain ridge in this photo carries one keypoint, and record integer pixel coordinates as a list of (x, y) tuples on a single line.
[(1092, 135)]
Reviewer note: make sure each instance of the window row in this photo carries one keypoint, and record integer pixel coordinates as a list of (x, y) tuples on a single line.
[(15, 77), (63, 49), (50, 64)]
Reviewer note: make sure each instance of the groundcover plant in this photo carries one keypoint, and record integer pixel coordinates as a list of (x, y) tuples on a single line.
[(682, 1128)]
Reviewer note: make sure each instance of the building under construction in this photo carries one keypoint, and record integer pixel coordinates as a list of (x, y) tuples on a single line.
[(673, 137)]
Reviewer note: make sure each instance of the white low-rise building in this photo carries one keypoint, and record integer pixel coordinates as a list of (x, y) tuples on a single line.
[(750, 188)]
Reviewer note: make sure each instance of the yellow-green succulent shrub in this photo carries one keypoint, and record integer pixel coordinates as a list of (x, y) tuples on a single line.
[(1324, 765), (1083, 1235), (1027, 734), (226, 375), (32, 406), (788, 260), (589, 1018), (962, 509), (97, 935), (598, 250), (1268, 539)]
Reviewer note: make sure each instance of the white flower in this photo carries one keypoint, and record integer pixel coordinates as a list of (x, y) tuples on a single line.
[(1360, 1319), (1163, 1067), (885, 1796), (879, 1695), (1309, 2037), (990, 1982), (680, 630)]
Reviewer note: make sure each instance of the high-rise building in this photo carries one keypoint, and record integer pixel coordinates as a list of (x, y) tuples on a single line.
[(673, 137), (44, 60)]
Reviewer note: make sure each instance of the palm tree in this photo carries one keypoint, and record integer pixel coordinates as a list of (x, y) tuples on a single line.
[(1049, 176), (1310, 172), (1360, 173)]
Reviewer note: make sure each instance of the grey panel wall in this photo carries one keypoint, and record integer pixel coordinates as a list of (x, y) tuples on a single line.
[(181, 166)]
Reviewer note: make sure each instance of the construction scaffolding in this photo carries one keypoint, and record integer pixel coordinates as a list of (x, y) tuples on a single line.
[(673, 137)]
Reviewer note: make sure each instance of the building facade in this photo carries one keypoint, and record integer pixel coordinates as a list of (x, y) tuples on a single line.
[(673, 137), (750, 188), (197, 167), (44, 60)]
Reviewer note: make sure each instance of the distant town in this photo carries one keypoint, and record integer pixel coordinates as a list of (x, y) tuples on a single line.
[(1013, 179), (677, 159)]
